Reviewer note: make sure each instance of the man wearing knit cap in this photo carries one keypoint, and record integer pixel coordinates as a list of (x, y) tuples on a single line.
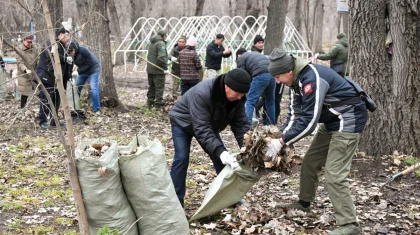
[(190, 64), (320, 95), (175, 64), (256, 65), (258, 44), (337, 55), (203, 112)]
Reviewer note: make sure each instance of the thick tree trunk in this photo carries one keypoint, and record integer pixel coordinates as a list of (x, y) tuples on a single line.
[(345, 18), (319, 20), (97, 37), (338, 22), (115, 29), (276, 19), (199, 8), (297, 19), (56, 9), (392, 81)]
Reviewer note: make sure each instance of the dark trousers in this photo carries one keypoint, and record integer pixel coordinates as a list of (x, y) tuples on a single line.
[(23, 101), (44, 107), (155, 91), (278, 94), (188, 84), (182, 144)]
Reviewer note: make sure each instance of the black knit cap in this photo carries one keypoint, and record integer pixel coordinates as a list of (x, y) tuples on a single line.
[(258, 38), (238, 80)]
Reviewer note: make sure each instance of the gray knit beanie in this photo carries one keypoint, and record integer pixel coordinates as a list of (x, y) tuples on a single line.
[(280, 62)]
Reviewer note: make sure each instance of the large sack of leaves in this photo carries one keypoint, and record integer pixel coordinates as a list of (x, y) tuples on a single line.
[(229, 187), (3, 87), (99, 176), (149, 188)]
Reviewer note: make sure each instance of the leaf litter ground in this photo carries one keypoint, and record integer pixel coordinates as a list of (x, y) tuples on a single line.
[(35, 196)]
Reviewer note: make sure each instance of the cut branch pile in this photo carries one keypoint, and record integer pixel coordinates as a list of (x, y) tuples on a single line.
[(255, 147)]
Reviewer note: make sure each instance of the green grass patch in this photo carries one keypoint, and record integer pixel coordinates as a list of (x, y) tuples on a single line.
[(41, 230), (17, 192), (27, 171), (417, 172), (107, 231), (64, 221), (16, 224), (191, 183), (412, 161), (71, 232)]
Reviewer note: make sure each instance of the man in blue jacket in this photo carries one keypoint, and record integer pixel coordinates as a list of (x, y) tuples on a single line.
[(256, 66), (88, 68), (203, 112), (320, 95), (214, 54)]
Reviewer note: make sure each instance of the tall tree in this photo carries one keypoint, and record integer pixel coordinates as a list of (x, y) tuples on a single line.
[(56, 9), (319, 20), (276, 19), (97, 38), (199, 8), (115, 29), (392, 80), (297, 18)]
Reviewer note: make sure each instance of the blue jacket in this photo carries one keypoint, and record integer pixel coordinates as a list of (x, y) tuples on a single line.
[(87, 63), (253, 63), (314, 88), (214, 55)]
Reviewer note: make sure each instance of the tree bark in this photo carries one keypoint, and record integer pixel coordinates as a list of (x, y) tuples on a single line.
[(319, 20), (297, 19), (345, 19), (56, 18), (98, 28), (392, 81), (199, 8), (338, 22), (115, 29), (276, 19)]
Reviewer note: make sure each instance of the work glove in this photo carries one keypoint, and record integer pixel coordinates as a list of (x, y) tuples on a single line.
[(74, 74), (229, 159), (69, 60), (166, 71), (316, 56), (174, 59), (273, 147), (28, 71)]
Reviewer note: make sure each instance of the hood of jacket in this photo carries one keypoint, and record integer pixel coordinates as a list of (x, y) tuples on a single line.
[(300, 63), (156, 38), (343, 41)]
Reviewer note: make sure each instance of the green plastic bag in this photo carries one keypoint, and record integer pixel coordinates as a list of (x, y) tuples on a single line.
[(103, 195), (229, 187), (150, 190)]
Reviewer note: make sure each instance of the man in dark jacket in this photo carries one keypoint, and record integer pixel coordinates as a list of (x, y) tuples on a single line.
[(175, 64), (256, 65), (258, 44), (338, 55), (45, 72), (203, 112), (320, 95), (157, 55), (214, 54), (88, 68)]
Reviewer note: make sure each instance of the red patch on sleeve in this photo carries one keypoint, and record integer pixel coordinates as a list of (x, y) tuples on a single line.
[(307, 89)]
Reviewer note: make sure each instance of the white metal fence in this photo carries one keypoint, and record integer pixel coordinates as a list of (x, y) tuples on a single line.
[(239, 32)]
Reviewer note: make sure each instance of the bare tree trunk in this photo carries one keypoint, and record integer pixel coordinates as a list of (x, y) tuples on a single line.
[(319, 20), (252, 9), (338, 22), (199, 8), (345, 18), (98, 28), (115, 29), (56, 7), (82, 9), (396, 123), (276, 19), (297, 19)]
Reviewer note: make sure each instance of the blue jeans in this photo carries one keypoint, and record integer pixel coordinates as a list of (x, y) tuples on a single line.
[(182, 144), (263, 83), (94, 88)]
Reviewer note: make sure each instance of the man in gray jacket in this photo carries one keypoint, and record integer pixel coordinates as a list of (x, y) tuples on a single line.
[(203, 112)]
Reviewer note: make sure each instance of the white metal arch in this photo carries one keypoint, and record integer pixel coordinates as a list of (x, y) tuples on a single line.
[(238, 33)]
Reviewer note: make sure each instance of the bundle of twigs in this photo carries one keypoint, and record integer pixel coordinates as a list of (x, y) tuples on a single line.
[(255, 147)]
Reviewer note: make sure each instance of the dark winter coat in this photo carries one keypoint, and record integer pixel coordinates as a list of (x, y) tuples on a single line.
[(175, 66), (214, 55), (87, 63), (45, 69), (338, 56), (157, 55), (204, 112), (315, 87), (254, 63), (190, 64)]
